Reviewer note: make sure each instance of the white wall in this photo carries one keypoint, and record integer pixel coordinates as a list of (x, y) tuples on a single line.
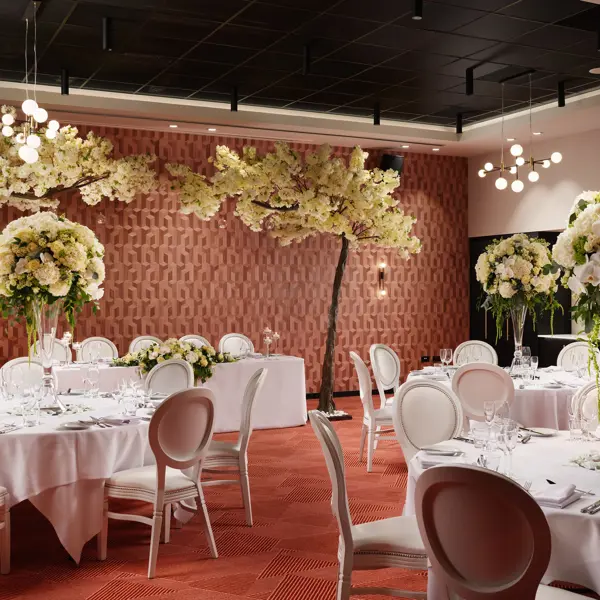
[(541, 206)]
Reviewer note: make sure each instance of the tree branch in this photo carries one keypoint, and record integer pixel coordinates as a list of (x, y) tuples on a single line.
[(54, 191), (278, 208)]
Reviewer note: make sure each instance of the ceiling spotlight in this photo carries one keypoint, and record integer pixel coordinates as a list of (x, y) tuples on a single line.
[(516, 149), (520, 161), (517, 186), (418, 10), (435, 149), (481, 173), (405, 146), (501, 183), (546, 164), (212, 128), (533, 176), (537, 133), (488, 166), (510, 139), (556, 157), (173, 126)]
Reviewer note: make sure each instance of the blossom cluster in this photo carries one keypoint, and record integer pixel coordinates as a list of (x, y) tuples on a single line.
[(45, 257), (202, 359)]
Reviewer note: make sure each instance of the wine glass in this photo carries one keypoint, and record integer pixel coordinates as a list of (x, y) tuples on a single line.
[(489, 411), (589, 421), (575, 432), (526, 369), (526, 351), (535, 362), (93, 374), (510, 436), (446, 357), (29, 404)]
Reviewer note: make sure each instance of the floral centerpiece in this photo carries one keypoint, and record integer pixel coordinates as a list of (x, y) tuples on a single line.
[(517, 276), (202, 359)]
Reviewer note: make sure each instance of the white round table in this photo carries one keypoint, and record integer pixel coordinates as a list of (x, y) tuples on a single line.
[(575, 536)]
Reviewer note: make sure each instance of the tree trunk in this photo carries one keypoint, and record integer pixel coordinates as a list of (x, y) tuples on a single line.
[(326, 403)]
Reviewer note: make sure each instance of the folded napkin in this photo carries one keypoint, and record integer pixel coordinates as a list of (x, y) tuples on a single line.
[(556, 496), (430, 460)]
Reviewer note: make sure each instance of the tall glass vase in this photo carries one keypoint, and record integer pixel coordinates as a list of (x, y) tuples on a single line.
[(46, 321), (518, 314)]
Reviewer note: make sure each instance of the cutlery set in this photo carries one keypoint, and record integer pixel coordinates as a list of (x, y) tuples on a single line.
[(592, 509)]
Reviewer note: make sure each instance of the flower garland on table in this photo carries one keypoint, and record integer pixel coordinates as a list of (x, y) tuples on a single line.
[(517, 271), (46, 258), (201, 359)]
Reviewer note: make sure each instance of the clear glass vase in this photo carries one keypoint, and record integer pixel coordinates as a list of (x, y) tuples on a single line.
[(46, 321), (518, 314)]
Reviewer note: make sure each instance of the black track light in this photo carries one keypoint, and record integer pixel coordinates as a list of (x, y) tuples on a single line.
[(234, 99), (469, 83), (107, 34), (306, 60), (64, 82), (418, 10), (377, 114), (561, 94), (459, 123), (598, 44)]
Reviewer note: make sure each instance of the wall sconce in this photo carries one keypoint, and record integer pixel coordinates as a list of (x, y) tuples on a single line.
[(381, 291)]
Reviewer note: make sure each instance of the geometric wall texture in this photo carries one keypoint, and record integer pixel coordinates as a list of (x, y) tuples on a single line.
[(170, 274)]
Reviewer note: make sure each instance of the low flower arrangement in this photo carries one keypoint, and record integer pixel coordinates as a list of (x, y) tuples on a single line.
[(201, 359)]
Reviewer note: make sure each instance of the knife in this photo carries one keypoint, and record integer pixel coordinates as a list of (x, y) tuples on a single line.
[(591, 507)]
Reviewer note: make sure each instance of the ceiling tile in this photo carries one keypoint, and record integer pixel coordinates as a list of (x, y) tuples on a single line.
[(399, 38), (269, 16), (441, 17), (543, 10), (382, 11), (551, 37), (498, 27)]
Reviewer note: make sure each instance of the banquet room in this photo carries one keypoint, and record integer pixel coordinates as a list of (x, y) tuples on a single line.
[(299, 300)]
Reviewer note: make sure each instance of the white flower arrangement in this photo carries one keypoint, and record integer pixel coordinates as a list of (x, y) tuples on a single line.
[(590, 461)]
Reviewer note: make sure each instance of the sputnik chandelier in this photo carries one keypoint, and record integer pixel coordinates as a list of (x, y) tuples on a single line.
[(27, 132), (516, 151)]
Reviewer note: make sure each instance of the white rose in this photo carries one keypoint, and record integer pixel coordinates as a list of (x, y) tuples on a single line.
[(575, 285), (506, 290)]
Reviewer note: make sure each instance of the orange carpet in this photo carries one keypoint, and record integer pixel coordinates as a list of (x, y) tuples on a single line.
[(289, 554)]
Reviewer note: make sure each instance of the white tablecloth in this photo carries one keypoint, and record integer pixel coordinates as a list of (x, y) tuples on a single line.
[(575, 536), (71, 377), (537, 404)]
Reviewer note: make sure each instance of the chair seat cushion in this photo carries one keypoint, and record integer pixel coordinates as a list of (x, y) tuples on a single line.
[(144, 478), (384, 414), (551, 593), (218, 448), (398, 535)]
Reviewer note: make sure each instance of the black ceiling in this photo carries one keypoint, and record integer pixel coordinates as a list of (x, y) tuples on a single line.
[(363, 52)]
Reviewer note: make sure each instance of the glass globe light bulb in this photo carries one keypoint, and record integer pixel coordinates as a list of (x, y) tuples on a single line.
[(33, 141), (513, 170), (556, 157), (488, 166), (40, 115), (7, 119), (28, 154), (20, 139), (546, 164), (7, 131), (54, 125), (501, 183), (481, 173), (533, 176), (50, 134), (520, 161), (517, 186), (516, 149), (29, 106)]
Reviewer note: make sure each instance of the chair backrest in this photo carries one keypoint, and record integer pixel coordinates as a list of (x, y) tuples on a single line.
[(236, 344), (573, 355), (26, 372), (364, 384), (196, 340), (485, 536), (475, 383), (181, 428), (143, 341), (425, 413), (468, 352), (585, 402), (253, 388), (97, 347), (386, 368), (170, 376), (60, 351), (334, 458)]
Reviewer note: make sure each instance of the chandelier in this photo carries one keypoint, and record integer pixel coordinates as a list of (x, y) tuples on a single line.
[(27, 131), (516, 151)]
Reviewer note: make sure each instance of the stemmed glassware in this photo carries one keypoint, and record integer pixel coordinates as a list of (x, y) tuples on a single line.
[(509, 438), (29, 402), (575, 432), (535, 362), (489, 411), (589, 421), (446, 358)]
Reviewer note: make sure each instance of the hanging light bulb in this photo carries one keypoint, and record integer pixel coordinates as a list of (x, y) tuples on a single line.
[(29, 106), (28, 154), (517, 186), (533, 176), (50, 134), (546, 164), (40, 115), (7, 119), (54, 125), (556, 157), (513, 170), (33, 141), (20, 139), (488, 166), (520, 161), (516, 149), (501, 183), (7, 131), (481, 173)]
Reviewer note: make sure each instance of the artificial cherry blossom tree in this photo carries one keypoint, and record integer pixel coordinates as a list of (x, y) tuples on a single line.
[(295, 197)]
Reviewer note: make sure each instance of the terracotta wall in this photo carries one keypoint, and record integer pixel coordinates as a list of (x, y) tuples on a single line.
[(170, 274)]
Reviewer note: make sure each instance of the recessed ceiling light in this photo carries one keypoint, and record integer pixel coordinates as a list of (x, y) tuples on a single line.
[(537, 133), (173, 126), (435, 149), (595, 71), (212, 129), (405, 146), (510, 139)]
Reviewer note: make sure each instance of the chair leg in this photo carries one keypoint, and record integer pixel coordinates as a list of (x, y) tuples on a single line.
[(207, 527), (155, 540), (102, 537), (245, 485), (166, 528), (363, 435), (344, 586), (5, 543), (377, 430), (370, 449)]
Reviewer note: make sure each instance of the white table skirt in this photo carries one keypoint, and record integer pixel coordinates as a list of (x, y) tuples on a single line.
[(575, 536), (71, 377)]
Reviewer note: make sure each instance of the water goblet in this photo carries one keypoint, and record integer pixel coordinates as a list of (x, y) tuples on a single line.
[(575, 432), (94, 379), (130, 404), (510, 436), (589, 422), (535, 362), (527, 373), (446, 357), (489, 411)]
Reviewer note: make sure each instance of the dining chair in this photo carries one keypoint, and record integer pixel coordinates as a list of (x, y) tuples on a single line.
[(170, 376), (196, 340), (573, 356), (179, 434), (585, 402), (143, 341), (236, 344), (4, 532), (28, 372), (231, 458), (465, 353), (388, 543), (60, 351), (425, 413), (386, 369), (474, 383), (96, 347), (485, 536), (374, 420)]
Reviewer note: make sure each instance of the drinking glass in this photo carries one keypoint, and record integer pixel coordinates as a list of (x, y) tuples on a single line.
[(93, 375), (446, 357), (489, 410), (526, 352), (481, 438), (510, 436), (130, 404), (29, 404), (535, 362), (492, 457), (589, 422), (527, 372), (575, 432)]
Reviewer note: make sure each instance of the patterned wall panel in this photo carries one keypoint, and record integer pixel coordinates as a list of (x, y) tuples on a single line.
[(170, 274)]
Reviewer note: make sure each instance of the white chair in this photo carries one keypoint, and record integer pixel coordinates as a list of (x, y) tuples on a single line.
[(383, 544), (585, 403), (23, 371), (386, 368), (196, 340), (373, 420), (96, 347), (474, 351), (4, 532), (231, 458), (573, 356), (485, 536), (425, 413), (170, 376), (179, 434), (60, 351), (475, 383), (143, 341), (236, 344)]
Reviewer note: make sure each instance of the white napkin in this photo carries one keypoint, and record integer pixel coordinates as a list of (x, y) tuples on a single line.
[(556, 496), (430, 460)]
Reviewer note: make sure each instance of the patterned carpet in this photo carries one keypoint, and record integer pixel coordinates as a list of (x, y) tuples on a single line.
[(290, 553)]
